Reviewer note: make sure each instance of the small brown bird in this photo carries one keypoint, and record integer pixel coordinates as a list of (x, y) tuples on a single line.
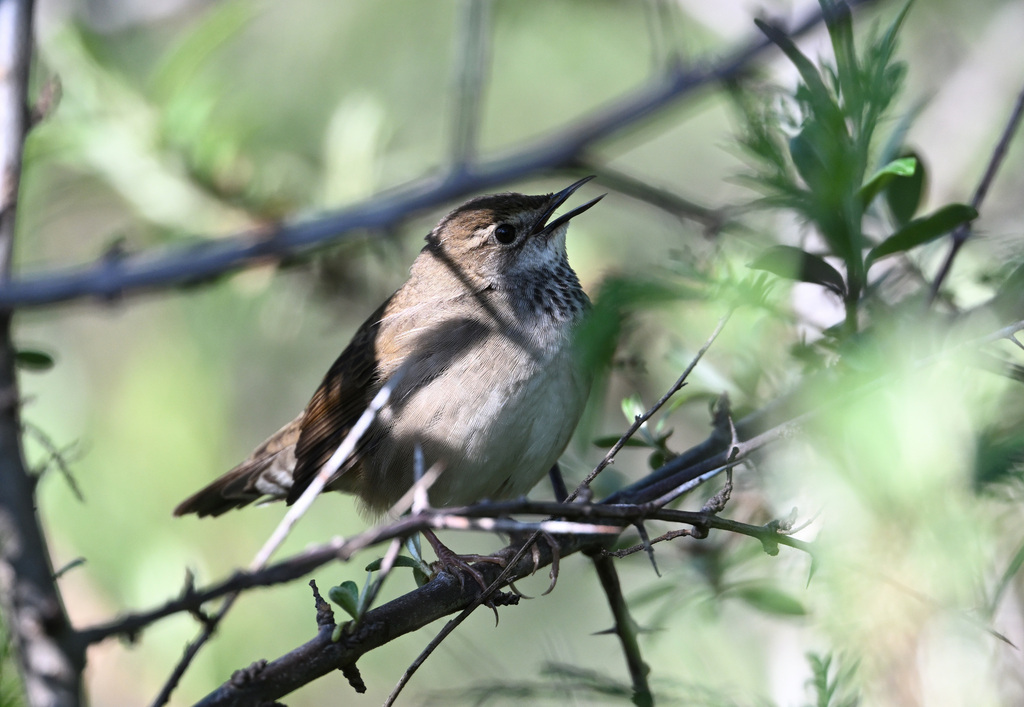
[(491, 388)]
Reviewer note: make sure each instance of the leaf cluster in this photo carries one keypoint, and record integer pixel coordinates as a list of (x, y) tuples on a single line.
[(813, 152)]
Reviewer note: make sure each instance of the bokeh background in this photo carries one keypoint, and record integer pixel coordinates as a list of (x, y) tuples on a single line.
[(182, 120)]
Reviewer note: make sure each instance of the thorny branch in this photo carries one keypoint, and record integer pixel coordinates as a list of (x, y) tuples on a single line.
[(625, 629), (440, 597), (50, 657)]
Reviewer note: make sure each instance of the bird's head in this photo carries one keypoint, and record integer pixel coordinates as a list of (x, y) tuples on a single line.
[(505, 237)]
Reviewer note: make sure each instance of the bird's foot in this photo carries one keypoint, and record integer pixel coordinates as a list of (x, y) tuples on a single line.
[(459, 565)]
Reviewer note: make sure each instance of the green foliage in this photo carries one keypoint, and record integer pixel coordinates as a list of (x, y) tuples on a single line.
[(347, 595), (1013, 568), (33, 359), (999, 458), (796, 264), (831, 687), (903, 196), (884, 179), (618, 299), (10, 686), (813, 158), (356, 601), (647, 436), (767, 599), (922, 230)]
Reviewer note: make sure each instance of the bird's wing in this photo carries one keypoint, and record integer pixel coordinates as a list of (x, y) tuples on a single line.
[(344, 394)]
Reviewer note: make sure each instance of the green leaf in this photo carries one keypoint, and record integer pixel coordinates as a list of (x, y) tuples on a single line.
[(412, 546), (809, 164), (346, 595), (33, 360), (769, 599), (817, 91), (796, 264), (632, 407), (839, 21), (400, 561), (657, 459), (1011, 571), (903, 196), (180, 66), (922, 230), (903, 167)]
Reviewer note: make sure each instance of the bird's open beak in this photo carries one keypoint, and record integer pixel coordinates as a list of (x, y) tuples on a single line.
[(542, 228)]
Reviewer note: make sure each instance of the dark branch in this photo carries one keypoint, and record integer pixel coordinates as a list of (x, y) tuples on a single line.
[(119, 275), (444, 595), (625, 629), (713, 220), (300, 565), (50, 656), (963, 232)]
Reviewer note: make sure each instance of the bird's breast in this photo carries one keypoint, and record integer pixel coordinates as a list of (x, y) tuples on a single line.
[(496, 406)]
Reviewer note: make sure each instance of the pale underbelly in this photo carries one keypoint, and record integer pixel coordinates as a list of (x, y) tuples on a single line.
[(496, 426)]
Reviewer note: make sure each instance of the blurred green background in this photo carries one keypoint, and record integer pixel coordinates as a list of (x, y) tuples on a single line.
[(182, 119)]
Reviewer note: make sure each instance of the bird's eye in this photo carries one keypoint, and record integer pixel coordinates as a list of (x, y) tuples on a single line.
[(505, 233)]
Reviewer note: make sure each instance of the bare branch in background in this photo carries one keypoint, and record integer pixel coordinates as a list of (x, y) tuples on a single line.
[(118, 275), (472, 61), (961, 234)]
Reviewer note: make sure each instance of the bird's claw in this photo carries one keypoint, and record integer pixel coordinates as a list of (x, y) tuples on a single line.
[(459, 565)]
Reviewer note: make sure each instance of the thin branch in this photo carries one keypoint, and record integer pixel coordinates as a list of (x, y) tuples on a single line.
[(56, 458), (641, 419), (345, 450), (713, 220), (50, 657), (119, 275), (963, 232), (643, 547)]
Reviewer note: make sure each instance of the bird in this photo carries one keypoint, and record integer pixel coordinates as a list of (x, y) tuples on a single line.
[(490, 379)]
